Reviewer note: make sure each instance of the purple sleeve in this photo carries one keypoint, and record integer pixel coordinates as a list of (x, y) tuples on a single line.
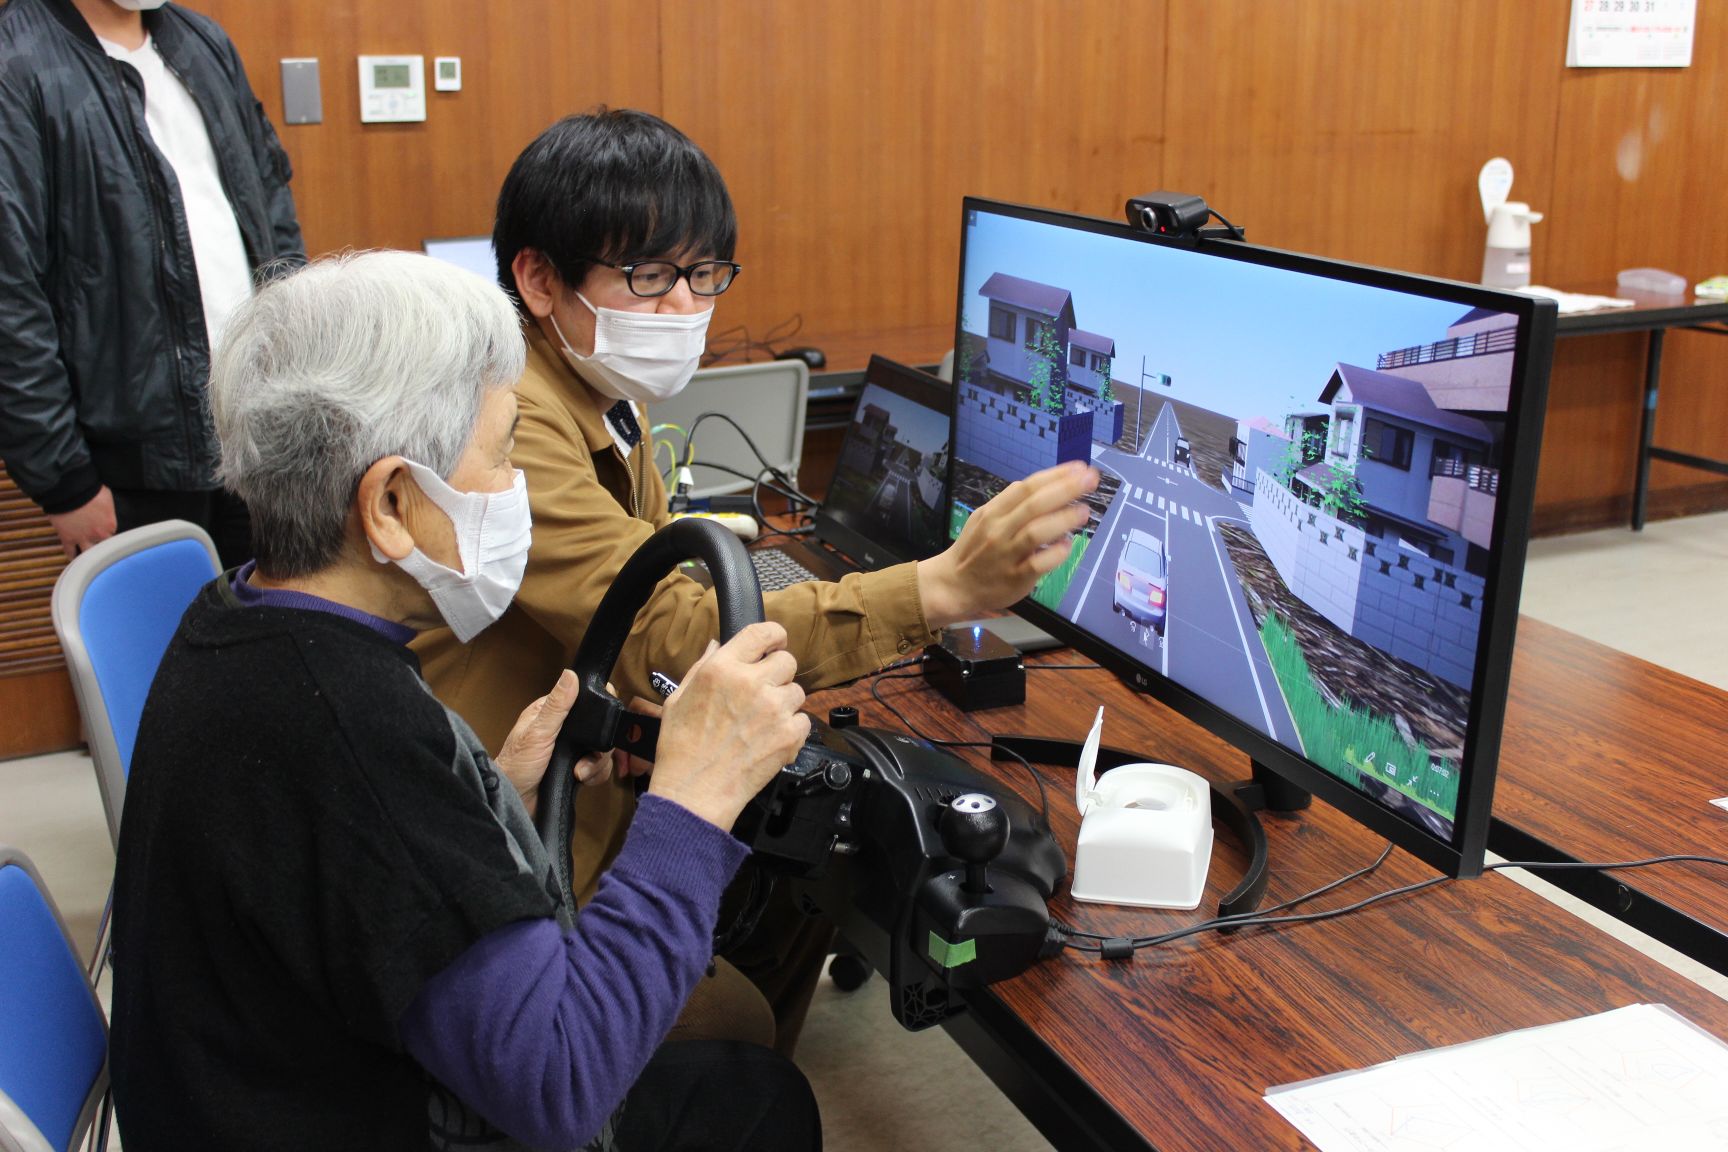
[(541, 1031)]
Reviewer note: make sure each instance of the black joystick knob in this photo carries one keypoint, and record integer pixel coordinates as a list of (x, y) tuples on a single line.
[(844, 716), (974, 830)]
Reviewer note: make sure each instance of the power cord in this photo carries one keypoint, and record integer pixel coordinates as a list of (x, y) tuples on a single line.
[(1235, 233), (728, 342), (659, 443), (1122, 948), (778, 475), (888, 673)]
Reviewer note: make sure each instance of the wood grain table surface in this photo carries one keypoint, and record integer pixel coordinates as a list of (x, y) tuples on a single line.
[(1175, 1048)]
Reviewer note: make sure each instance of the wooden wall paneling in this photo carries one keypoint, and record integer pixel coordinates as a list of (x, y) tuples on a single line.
[(524, 64), (1642, 171), (1356, 130), (849, 133), (37, 710)]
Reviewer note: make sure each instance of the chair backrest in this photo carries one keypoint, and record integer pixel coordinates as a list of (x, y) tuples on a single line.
[(115, 608), (53, 1038), (768, 399)]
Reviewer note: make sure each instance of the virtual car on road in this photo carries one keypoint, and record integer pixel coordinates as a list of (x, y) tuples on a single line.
[(1142, 580), (1181, 450)]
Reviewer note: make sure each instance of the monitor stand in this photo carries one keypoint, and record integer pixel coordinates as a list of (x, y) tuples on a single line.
[(1236, 806), (1266, 791)]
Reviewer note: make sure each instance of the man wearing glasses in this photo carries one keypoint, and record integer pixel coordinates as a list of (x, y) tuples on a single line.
[(615, 233)]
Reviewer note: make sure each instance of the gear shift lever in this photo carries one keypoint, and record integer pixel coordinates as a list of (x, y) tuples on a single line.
[(974, 830)]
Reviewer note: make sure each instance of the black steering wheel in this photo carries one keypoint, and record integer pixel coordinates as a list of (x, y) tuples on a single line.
[(599, 721)]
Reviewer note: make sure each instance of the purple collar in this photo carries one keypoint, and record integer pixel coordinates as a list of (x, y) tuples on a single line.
[(285, 598)]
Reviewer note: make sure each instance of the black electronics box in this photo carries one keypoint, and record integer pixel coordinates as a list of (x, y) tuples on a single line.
[(975, 669)]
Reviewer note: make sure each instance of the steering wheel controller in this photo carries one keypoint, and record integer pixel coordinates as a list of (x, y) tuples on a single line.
[(937, 876)]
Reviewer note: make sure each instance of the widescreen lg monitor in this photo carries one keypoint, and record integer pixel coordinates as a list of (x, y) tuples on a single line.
[(1316, 493)]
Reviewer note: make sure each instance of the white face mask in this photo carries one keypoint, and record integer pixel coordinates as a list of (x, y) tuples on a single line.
[(492, 538), (140, 5), (640, 356)]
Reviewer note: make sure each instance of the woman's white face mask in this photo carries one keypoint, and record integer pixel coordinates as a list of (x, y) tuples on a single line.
[(492, 539), (642, 357)]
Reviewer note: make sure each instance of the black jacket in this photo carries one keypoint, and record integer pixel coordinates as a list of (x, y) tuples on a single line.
[(103, 353)]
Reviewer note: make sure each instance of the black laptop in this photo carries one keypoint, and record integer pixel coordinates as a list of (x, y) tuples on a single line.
[(888, 501)]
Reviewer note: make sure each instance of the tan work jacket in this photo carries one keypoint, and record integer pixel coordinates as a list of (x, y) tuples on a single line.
[(592, 508)]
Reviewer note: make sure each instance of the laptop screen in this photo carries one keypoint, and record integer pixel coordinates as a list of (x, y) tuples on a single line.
[(887, 502)]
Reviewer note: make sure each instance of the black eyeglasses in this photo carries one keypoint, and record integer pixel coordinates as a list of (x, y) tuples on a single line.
[(653, 278)]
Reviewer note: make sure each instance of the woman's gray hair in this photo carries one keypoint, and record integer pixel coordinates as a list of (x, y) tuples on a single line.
[(328, 370)]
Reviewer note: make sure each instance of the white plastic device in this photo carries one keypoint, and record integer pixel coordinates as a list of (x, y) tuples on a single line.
[(740, 525), (1652, 280), (1506, 259), (1145, 832), (447, 73), (392, 89)]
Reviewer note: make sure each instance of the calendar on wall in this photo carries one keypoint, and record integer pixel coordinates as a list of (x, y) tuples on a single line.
[(1631, 33)]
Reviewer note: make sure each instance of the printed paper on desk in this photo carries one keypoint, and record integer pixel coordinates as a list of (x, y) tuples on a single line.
[(1575, 301), (1635, 1078), (1145, 832)]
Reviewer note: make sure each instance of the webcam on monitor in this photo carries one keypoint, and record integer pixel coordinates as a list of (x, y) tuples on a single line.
[(1178, 216)]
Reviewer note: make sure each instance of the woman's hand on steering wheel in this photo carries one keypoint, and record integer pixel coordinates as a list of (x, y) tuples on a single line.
[(528, 748), (731, 725)]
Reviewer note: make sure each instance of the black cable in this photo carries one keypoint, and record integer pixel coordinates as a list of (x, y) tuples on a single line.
[(1031, 769), (1611, 865), (747, 917), (1235, 232), (876, 695), (1228, 921), (730, 341), (1260, 919), (791, 496), (792, 325), (780, 476)]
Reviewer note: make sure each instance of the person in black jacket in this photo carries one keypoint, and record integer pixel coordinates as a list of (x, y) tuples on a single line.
[(142, 191)]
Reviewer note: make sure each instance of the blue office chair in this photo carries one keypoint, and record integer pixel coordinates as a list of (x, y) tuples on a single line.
[(115, 608), (53, 1037)]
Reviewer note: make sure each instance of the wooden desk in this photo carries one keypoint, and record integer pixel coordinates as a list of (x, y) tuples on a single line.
[(1175, 1048), (1607, 757), (1655, 315)]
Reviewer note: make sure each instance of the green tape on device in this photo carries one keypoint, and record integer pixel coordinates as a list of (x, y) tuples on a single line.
[(952, 955)]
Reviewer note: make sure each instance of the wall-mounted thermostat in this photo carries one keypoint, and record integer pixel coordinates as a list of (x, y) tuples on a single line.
[(392, 89), (447, 73)]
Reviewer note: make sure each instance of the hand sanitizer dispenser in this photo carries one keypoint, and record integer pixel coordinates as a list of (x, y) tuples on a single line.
[(1506, 259)]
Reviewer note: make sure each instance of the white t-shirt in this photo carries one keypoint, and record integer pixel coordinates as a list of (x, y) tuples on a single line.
[(177, 127)]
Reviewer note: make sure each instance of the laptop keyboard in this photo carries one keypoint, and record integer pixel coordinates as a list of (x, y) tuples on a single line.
[(776, 570)]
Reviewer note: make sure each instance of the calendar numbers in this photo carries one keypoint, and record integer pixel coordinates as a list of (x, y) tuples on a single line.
[(1631, 33)]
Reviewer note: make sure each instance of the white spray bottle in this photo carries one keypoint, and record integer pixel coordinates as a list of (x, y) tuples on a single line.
[(1506, 257)]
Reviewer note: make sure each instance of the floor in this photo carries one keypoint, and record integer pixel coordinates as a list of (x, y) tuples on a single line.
[(885, 1089)]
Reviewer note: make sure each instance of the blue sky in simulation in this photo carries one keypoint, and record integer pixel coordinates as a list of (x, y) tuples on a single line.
[(1234, 337), (915, 424)]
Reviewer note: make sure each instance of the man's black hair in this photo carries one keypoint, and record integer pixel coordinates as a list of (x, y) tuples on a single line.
[(613, 185)]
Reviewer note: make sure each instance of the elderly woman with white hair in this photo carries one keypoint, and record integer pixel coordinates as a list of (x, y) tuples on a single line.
[(335, 926)]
